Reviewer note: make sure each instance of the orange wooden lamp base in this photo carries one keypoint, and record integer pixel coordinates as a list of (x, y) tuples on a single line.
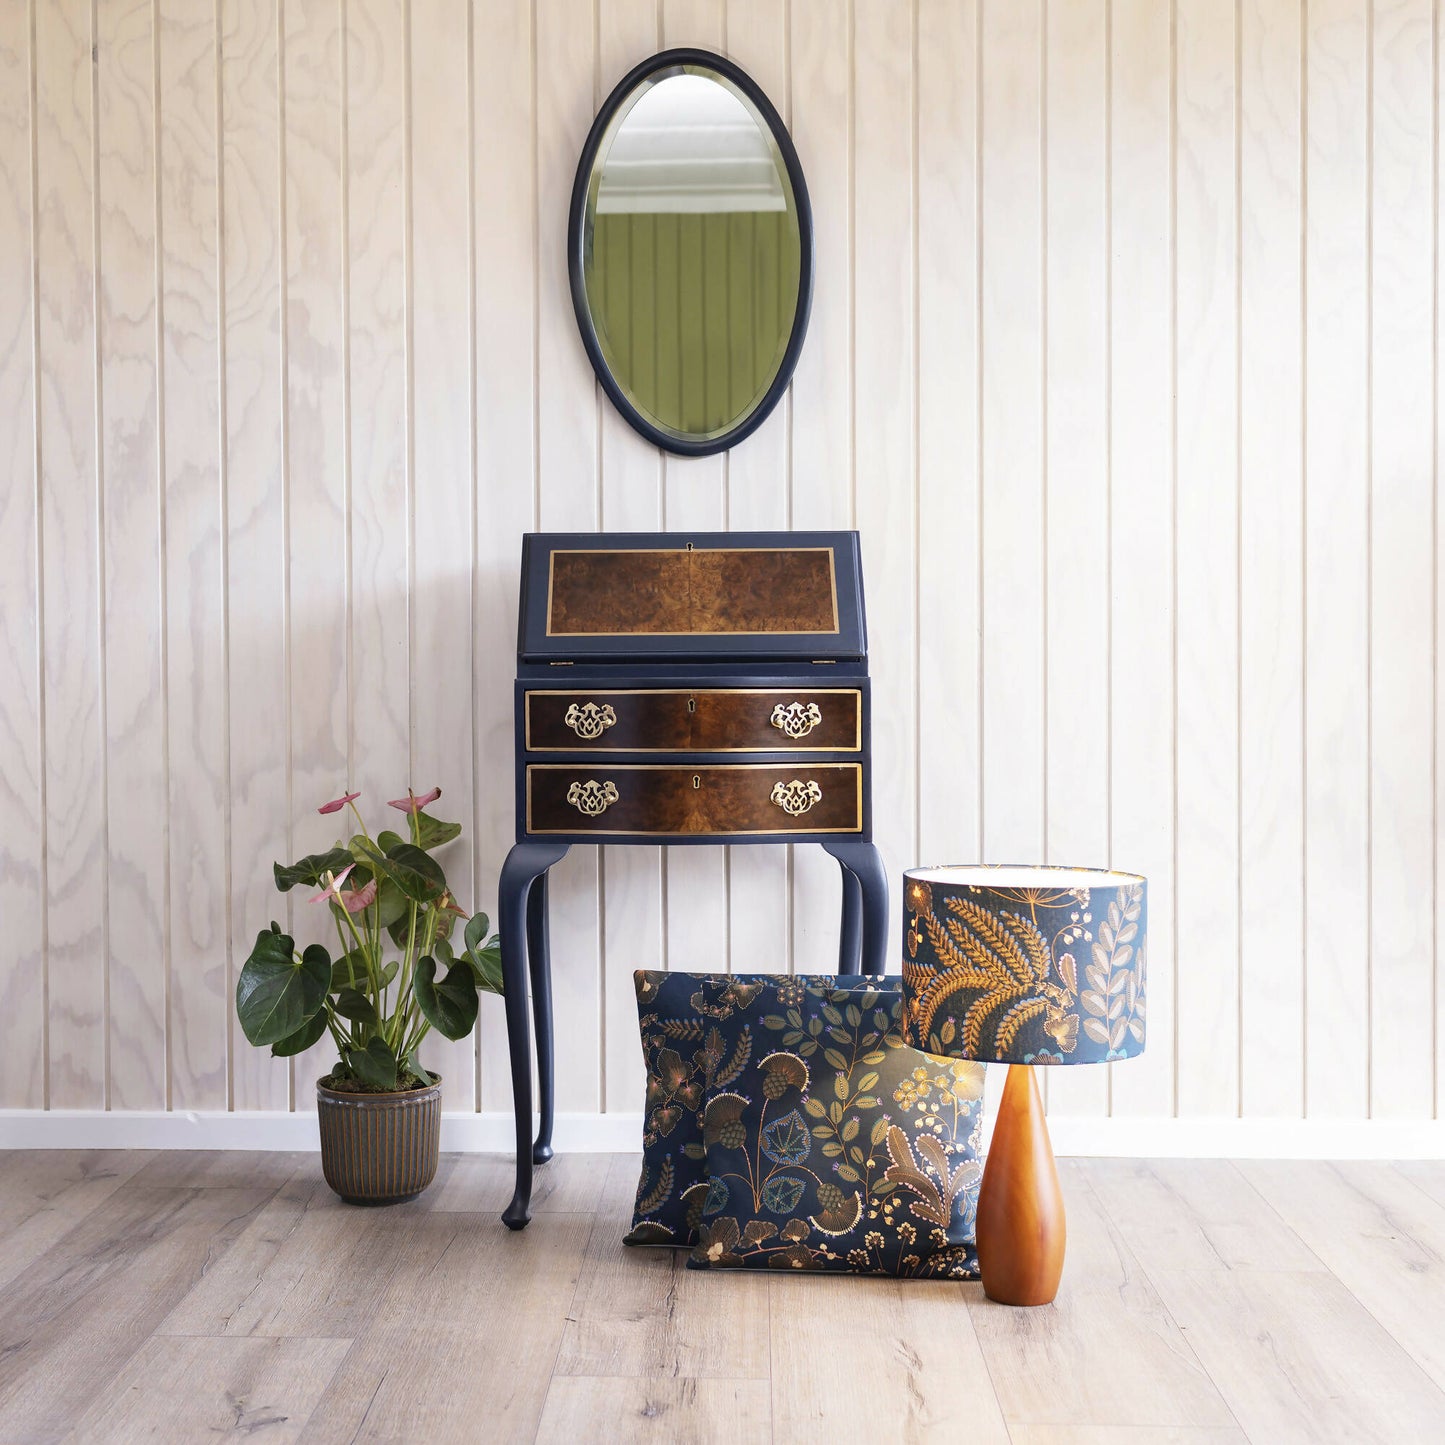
[(1020, 1209)]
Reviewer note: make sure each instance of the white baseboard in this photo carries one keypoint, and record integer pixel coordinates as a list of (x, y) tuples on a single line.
[(1158, 1138)]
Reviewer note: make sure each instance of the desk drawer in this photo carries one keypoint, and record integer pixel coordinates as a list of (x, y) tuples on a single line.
[(734, 799), (700, 720)]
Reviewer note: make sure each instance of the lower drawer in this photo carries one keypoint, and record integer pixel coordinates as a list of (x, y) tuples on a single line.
[(737, 799)]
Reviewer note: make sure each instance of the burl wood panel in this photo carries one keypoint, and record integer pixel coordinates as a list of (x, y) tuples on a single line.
[(714, 592), (723, 720), (663, 801)]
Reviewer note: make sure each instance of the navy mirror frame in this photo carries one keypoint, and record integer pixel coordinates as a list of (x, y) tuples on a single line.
[(576, 226)]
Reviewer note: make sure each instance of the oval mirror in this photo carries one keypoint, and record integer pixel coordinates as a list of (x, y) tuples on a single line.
[(690, 249)]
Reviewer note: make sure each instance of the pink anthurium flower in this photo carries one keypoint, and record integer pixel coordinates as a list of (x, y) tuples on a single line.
[(413, 804), (337, 804), (333, 883), (354, 900)]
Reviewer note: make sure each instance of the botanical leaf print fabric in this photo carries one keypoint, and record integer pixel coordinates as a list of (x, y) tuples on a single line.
[(681, 1016), (835, 1146)]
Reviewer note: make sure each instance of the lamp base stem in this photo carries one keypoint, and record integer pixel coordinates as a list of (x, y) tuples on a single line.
[(1021, 1226)]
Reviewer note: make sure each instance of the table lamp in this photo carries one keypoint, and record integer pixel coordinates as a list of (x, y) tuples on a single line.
[(1024, 966)]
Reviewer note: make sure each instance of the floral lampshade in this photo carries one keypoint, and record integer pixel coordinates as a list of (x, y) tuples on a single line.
[(1024, 965)]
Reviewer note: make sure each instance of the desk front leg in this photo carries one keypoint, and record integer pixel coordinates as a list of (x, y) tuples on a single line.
[(525, 864)]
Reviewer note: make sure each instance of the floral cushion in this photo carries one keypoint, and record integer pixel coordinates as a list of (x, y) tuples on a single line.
[(832, 1145), (682, 1017)]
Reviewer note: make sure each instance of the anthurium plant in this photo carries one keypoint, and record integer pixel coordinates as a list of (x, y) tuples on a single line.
[(397, 974)]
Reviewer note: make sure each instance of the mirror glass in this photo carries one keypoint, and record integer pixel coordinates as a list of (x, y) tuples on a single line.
[(694, 249)]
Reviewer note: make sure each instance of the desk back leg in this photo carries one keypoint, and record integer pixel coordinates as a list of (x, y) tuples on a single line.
[(863, 876), (525, 863)]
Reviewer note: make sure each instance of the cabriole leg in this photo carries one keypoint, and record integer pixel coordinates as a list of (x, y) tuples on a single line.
[(862, 860), (526, 862)]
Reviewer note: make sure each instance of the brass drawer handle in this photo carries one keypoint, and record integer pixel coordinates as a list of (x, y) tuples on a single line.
[(593, 798), (796, 797), (588, 720), (797, 719)]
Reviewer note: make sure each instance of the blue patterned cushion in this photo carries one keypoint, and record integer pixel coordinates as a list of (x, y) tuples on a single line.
[(681, 1016), (832, 1145)]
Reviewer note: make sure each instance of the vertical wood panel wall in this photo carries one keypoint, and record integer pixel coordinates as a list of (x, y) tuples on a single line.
[(1124, 359)]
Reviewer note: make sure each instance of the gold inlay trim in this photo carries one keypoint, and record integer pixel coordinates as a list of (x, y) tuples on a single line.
[(684, 551)]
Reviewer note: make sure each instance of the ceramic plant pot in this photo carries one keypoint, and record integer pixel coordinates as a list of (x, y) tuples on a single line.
[(379, 1148)]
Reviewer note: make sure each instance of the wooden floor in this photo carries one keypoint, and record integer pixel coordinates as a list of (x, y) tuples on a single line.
[(181, 1297)]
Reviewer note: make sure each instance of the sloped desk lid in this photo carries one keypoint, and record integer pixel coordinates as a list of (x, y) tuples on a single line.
[(698, 595)]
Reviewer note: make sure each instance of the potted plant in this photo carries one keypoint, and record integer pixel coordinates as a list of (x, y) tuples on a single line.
[(396, 977)]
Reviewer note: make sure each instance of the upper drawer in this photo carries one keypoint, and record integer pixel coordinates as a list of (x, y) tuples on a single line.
[(700, 720), (704, 595)]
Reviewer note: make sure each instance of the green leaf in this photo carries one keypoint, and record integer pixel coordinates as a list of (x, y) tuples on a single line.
[(375, 1064), (303, 1038), (432, 832), (391, 903), (449, 1005), (349, 971), (311, 868), (442, 951), (417, 875), (352, 1004), (476, 930), (277, 992), (484, 958), (386, 840)]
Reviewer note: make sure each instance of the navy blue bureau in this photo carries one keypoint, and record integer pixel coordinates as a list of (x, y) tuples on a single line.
[(682, 688)]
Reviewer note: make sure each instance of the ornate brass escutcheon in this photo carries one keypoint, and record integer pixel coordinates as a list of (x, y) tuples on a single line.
[(592, 797), (797, 719), (588, 720), (795, 797)]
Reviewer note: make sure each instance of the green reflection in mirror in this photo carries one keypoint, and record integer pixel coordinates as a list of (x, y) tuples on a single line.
[(692, 254)]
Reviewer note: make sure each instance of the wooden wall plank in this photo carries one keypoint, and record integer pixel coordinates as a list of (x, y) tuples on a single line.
[(1337, 637), (1011, 312), (195, 621), (1206, 555), (1076, 443), (135, 710), (821, 84), (319, 504), (22, 967), (695, 493), (632, 500), (256, 501), (439, 281), (504, 440), (759, 501), (379, 460), (1271, 563), (950, 545), (568, 481), (884, 435), (1141, 756), (71, 531), (1402, 556)]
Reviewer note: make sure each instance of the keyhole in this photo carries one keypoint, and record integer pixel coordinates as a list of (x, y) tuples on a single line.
[(692, 704), (696, 781)]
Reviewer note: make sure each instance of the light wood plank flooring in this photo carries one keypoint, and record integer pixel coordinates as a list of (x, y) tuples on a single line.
[(181, 1297)]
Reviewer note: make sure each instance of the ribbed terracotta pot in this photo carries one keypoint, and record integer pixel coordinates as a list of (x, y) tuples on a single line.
[(380, 1148)]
